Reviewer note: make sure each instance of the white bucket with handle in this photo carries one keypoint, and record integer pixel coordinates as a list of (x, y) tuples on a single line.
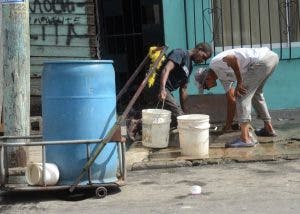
[(156, 128), (34, 174), (194, 134)]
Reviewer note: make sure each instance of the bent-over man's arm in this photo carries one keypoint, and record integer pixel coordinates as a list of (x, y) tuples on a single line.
[(163, 79), (232, 62), (230, 108)]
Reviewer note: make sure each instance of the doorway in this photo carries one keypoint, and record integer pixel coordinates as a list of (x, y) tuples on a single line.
[(127, 29)]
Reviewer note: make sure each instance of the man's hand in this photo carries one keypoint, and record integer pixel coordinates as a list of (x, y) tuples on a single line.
[(163, 94), (240, 89), (230, 96)]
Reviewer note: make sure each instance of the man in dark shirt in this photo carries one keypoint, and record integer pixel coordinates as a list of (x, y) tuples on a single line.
[(175, 74)]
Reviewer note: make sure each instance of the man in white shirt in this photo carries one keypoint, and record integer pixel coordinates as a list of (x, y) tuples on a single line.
[(249, 68)]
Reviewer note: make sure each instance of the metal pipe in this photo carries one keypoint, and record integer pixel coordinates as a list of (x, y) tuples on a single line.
[(250, 25), (21, 137), (123, 149), (259, 24), (195, 29), (44, 165), (119, 155), (133, 76), (215, 23), (86, 166), (88, 157), (117, 124), (288, 11), (203, 27), (241, 22), (185, 24), (2, 166), (270, 28), (231, 24), (51, 143), (280, 36), (222, 24)]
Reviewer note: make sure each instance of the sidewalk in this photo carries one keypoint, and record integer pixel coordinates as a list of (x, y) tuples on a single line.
[(285, 146)]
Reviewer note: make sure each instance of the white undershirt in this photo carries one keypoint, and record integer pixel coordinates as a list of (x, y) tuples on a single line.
[(245, 57)]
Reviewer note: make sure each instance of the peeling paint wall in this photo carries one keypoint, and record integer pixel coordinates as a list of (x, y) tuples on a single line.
[(61, 29)]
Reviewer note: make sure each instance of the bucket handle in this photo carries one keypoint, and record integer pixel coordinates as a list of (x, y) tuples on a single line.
[(163, 104), (157, 116)]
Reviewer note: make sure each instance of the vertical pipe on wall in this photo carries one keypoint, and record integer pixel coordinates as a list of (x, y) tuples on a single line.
[(214, 12), (259, 23), (16, 76), (250, 23), (222, 24), (186, 28), (241, 21), (280, 29), (203, 27), (269, 19), (231, 25), (288, 13), (195, 28)]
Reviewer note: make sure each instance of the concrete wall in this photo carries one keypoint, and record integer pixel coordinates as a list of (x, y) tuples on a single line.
[(174, 23), (59, 30)]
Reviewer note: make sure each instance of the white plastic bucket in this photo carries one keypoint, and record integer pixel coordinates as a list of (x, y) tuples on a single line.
[(156, 128), (194, 134), (34, 174)]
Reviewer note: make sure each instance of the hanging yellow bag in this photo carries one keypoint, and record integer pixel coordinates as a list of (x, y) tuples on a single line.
[(154, 53)]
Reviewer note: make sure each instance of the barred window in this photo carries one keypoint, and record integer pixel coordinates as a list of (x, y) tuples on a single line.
[(256, 23)]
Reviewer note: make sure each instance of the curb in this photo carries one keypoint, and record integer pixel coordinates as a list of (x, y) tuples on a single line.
[(160, 164)]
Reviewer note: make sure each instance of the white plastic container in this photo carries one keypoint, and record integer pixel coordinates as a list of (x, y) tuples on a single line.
[(194, 134), (156, 128), (34, 174), (196, 190)]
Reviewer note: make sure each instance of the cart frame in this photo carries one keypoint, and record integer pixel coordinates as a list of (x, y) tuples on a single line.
[(100, 188)]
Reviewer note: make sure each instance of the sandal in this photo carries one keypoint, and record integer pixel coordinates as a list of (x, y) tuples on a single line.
[(264, 133), (238, 143)]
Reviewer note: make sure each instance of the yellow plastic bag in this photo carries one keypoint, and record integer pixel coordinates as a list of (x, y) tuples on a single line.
[(154, 53)]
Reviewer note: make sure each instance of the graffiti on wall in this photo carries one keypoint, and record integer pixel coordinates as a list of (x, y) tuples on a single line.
[(61, 15)]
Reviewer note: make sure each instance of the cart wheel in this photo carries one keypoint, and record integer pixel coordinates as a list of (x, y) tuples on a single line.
[(101, 192)]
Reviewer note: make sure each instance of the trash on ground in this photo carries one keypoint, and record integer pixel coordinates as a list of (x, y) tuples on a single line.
[(196, 190)]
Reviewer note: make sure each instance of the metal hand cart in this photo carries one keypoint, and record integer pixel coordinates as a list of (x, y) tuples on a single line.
[(100, 188), (114, 133)]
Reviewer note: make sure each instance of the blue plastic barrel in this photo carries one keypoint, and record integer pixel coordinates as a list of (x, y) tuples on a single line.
[(79, 103)]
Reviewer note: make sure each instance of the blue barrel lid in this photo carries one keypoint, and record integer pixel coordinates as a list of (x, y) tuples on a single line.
[(78, 61)]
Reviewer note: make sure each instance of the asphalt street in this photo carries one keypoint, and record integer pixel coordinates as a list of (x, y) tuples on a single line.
[(256, 187)]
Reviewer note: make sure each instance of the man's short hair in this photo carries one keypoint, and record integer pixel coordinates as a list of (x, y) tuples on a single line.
[(205, 47)]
